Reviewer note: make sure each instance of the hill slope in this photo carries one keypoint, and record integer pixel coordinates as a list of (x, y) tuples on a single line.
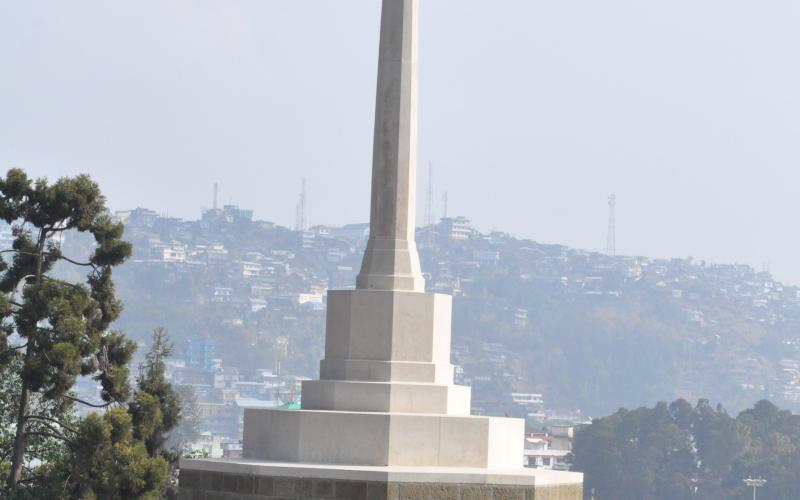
[(588, 331)]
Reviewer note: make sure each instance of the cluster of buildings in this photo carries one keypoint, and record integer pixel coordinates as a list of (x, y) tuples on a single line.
[(273, 281), (221, 393)]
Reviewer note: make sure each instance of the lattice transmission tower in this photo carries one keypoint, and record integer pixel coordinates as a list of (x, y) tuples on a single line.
[(301, 220), (611, 240), (430, 217), (216, 196)]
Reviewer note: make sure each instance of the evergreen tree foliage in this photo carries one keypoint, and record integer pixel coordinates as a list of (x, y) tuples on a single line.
[(679, 451), (105, 460), (121, 454), (53, 331), (156, 407)]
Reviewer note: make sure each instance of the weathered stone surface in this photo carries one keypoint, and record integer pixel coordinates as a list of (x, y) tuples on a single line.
[(377, 491), (562, 492), (472, 492), (264, 486), (347, 490), (324, 489), (509, 493), (285, 487), (245, 484), (220, 486)]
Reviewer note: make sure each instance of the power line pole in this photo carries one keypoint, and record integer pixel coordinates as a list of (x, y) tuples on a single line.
[(429, 215), (611, 240), (301, 221)]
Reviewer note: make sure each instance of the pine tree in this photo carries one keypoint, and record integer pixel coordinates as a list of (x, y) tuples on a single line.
[(156, 406), (121, 454), (52, 330)]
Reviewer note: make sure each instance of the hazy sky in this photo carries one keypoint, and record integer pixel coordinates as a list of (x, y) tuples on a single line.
[(532, 111)]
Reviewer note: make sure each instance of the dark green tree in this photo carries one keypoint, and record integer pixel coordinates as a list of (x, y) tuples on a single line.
[(156, 407), (121, 454), (678, 451), (60, 330), (104, 460)]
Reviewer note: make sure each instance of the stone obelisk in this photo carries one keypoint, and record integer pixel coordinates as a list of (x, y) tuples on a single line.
[(391, 261), (385, 420)]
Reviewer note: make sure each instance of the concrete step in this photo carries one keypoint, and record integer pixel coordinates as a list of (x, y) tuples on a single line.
[(345, 395), (381, 439)]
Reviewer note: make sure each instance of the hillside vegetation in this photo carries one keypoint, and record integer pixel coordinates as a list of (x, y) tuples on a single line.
[(588, 331)]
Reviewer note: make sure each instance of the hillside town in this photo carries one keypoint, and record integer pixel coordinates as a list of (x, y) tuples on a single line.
[(262, 289)]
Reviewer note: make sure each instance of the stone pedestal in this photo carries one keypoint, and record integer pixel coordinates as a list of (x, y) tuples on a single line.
[(386, 394), (252, 480), (385, 421)]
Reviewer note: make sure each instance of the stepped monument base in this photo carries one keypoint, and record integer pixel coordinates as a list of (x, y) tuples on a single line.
[(230, 479)]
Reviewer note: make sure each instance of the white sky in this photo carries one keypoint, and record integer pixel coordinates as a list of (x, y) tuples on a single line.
[(532, 111)]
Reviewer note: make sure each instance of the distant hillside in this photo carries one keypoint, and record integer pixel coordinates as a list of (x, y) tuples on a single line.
[(587, 331), (598, 332)]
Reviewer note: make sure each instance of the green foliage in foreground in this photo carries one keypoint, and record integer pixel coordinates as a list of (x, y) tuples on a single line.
[(53, 331), (116, 455), (677, 451)]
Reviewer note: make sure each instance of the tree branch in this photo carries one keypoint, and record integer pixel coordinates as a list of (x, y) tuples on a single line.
[(50, 419), (31, 479), (50, 435), (61, 257), (23, 346), (50, 428), (93, 405), (84, 264)]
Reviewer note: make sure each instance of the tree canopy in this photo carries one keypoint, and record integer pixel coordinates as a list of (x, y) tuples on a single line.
[(53, 331), (679, 451)]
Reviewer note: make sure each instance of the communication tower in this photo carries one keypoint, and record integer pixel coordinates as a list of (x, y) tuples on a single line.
[(430, 218), (301, 222), (280, 350), (611, 240), (216, 195)]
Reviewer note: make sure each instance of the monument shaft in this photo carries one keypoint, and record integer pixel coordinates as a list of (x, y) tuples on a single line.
[(391, 261)]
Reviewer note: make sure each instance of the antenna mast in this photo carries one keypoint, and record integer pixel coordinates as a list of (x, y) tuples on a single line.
[(611, 241)]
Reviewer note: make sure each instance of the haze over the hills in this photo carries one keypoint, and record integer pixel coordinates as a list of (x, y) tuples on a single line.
[(533, 112)]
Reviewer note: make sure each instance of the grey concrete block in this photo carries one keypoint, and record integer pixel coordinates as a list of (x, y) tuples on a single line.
[(189, 479), (351, 490), (245, 484), (303, 488), (323, 489), (229, 483), (284, 487), (377, 491), (264, 486), (216, 482)]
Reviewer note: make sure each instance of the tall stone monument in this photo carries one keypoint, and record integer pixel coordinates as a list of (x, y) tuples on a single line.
[(385, 420)]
